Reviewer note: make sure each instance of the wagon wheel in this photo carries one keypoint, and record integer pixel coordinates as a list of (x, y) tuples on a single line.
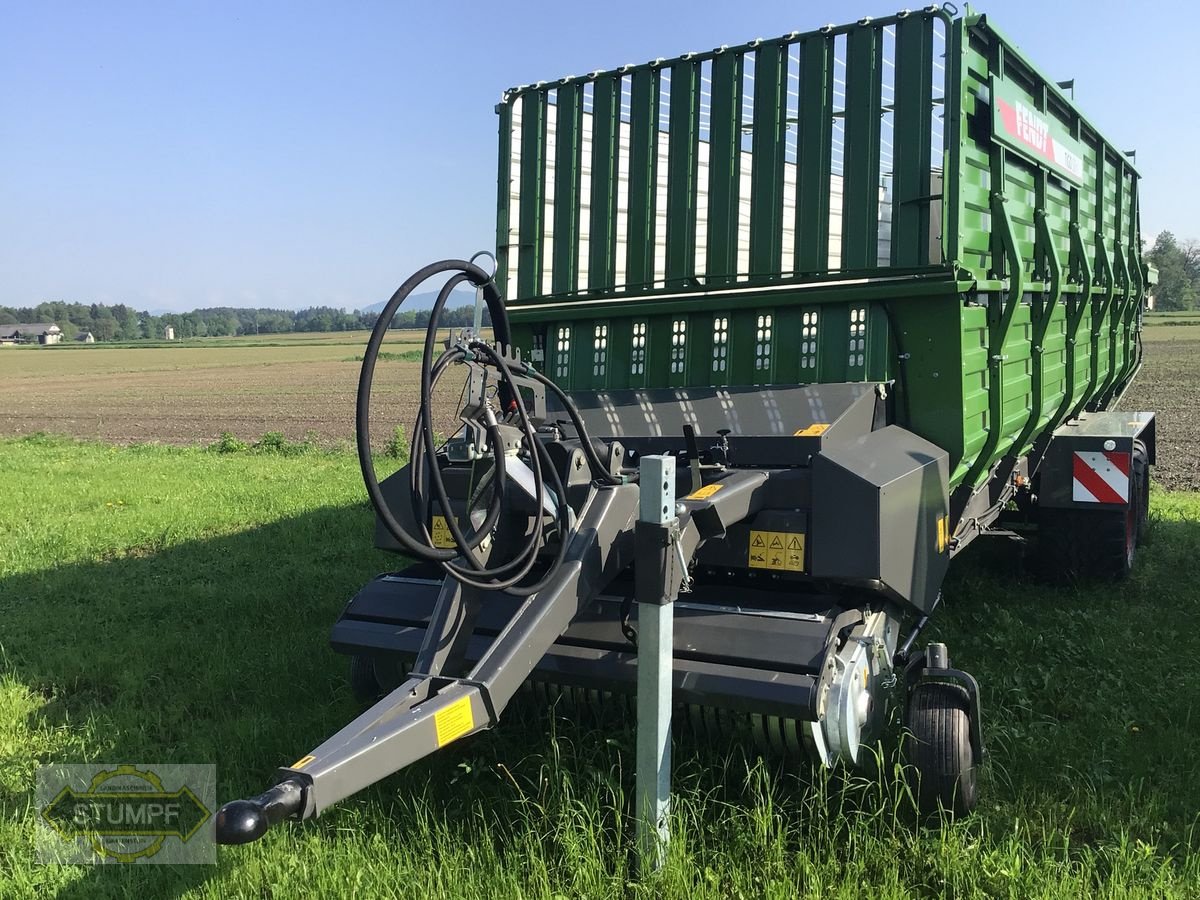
[(372, 677), (363, 684), (1084, 543), (941, 764), (1141, 485)]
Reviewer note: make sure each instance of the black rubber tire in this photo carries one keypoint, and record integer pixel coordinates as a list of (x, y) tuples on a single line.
[(1084, 544), (1141, 484), (364, 685), (939, 759)]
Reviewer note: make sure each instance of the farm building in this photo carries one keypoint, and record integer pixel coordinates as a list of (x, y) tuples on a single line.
[(28, 333), (169, 333), (85, 337)]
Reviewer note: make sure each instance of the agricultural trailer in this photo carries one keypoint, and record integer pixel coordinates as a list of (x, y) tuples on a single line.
[(874, 291)]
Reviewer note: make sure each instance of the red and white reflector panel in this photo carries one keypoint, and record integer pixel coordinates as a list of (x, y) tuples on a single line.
[(1100, 476)]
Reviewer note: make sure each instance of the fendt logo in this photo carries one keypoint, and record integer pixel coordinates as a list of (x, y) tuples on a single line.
[(1030, 131), (127, 815), (1032, 128)]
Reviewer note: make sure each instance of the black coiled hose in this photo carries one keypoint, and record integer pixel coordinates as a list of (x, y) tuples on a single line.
[(507, 575)]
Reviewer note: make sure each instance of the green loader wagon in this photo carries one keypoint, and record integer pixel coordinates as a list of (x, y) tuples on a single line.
[(779, 329)]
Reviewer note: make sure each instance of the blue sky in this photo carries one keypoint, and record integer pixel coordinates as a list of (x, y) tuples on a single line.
[(181, 154)]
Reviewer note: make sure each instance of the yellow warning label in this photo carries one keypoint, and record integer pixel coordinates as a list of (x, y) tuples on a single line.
[(454, 721), (780, 550), (703, 493), (943, 536), (817, 428), (302, 762), (440, 532)]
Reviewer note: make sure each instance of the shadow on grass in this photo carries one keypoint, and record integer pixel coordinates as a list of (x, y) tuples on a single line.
[(215, 651)]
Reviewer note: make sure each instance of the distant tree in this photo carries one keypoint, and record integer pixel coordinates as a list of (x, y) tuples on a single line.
[(123, 322), (105, 326), (1178, 272)]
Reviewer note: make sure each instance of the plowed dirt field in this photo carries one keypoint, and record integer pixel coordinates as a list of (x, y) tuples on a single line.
[(304, 385)]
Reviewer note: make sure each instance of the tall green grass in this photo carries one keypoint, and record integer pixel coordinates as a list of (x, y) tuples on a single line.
[(164, 604)]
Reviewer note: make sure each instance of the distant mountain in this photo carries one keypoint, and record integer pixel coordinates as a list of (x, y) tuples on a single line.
[(462, 296)]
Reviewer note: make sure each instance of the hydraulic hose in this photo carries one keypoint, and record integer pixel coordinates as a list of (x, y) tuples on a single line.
[(423, 464), (599, 471), (425, 450), (366, 378)]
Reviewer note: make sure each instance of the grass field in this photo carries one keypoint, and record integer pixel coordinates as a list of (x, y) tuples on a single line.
[(166, 603), (172, 604)]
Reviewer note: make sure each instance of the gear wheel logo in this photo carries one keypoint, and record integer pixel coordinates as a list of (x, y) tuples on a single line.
[(126, 814)]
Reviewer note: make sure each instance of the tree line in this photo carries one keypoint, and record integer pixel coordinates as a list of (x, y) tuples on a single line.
[(119, 322), (1178, 265)]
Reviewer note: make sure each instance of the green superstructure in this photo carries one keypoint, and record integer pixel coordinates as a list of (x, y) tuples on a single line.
[(903, 198)]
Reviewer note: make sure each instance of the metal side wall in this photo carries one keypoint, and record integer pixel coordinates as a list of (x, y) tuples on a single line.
[(747, 217)]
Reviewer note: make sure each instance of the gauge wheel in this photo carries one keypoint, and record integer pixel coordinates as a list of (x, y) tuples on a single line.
[(940, 760)]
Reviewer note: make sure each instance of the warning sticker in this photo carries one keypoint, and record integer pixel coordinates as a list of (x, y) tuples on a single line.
[(454, 721), (703, 493), (780, 550), (817, 428), (943, 534), (302, 762), (440, 532)]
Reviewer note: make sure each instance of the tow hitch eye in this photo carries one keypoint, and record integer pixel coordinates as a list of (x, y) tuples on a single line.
[(243, 821)]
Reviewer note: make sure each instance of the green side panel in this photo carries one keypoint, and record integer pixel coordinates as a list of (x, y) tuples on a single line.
[(560, 343), (1017, 371), (712, 345), (973, 171), (855, 347), (581, 354), (813, 150), (1102, 299), (833, 330), (533, 191), (860, 190), (503, 189), (723, 168), (813, 328), (912, 155), (954, 126), (594, 363), (1058, 216), (660, 357), (950, 404), (766, 350), (878, 348), (742, 333), (702, 366), (620, 364), (681, 173), (786, 356), (1048, 314), (1054, 366), (602, 235), (1020, 197), (1027, 314), (567, 148), (766, 176), (643, 159)]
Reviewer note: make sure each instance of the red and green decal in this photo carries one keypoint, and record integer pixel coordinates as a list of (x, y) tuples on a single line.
[(1017, 123)]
